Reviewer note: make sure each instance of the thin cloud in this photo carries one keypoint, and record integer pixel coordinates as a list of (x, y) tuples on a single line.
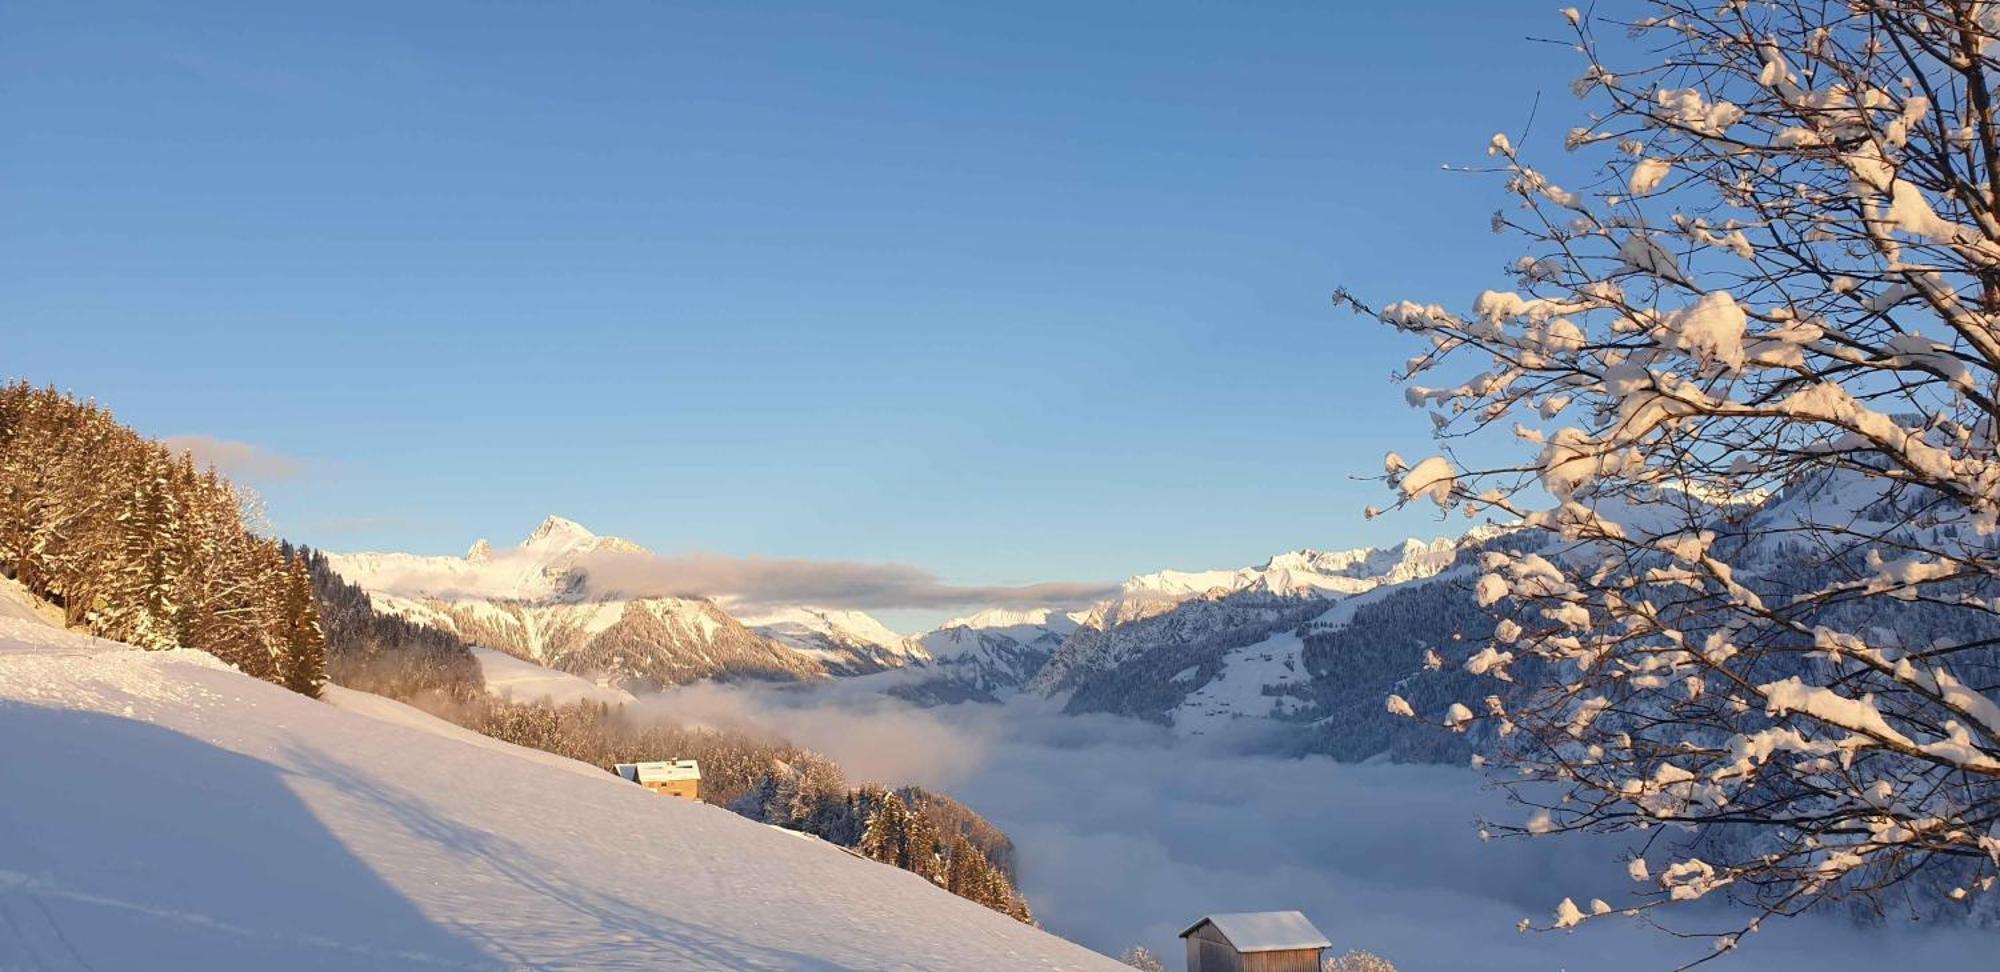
[(741, 582), (757, 581), (235, 458)]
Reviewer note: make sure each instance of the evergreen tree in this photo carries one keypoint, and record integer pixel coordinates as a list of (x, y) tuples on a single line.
[(305, 644), (885, 837), (136, 544)]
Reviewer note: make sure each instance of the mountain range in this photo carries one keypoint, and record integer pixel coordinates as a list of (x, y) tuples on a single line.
[(1300, 648), (533, 602), (1193, 649)]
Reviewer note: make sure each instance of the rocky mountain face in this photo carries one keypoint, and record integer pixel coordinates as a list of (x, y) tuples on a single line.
[(1302, 663), (844, 642), (988, 655), (1179, 626), (533, 602), (1162, 640), (1196, 650)]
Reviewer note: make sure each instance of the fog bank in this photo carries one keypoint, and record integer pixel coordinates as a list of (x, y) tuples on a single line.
[(1125, 835)]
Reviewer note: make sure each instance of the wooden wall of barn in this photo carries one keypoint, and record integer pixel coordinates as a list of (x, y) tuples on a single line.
[(1208, 951), (685, 789)]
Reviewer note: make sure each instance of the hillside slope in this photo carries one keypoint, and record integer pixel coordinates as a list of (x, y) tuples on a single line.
[(518, 680), (164, 811)]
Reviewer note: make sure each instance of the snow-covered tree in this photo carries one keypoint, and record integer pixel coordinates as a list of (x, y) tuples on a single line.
[(386, 654), (1752, 352), (135, 544), (304, 656), (897, 835), (1142, 958), (1357, 961)]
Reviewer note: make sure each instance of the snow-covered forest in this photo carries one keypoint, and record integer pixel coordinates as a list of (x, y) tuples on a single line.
[(140, 545)]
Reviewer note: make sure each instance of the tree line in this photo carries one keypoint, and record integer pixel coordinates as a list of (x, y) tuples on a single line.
[(138, 544)]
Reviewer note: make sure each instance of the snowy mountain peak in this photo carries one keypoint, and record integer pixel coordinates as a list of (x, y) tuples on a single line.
[(1017, 618), (1404, 561), (1302, 572), (558, 536), (536, 602), (556, 530)]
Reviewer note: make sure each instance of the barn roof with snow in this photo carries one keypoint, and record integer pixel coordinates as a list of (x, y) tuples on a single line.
[(662, 771), (1264, 931)]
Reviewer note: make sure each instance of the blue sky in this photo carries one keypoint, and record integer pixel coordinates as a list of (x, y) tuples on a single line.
[(1011, 292)]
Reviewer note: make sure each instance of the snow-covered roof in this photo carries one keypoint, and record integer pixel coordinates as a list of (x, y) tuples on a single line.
[(1264, 931), (663, 771)]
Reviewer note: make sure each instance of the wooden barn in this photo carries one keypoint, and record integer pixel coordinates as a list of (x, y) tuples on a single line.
[(669, 777), (1263, 941)]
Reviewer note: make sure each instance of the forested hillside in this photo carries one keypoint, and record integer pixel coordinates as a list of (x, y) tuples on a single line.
[(383, 653), (777, 783), (139, 545)]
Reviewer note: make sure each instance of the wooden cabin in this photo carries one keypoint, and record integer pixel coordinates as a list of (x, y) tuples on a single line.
[(669, 777), (1263, 941)]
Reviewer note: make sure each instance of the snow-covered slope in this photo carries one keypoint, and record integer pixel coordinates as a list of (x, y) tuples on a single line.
[(1243, 690), (162, 811), (533, 602), (513, 678), (1251, 689)]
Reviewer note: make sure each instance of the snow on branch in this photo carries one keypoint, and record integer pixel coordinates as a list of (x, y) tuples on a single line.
[(1746, 378)]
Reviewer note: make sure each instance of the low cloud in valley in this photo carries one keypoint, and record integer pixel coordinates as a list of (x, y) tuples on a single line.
[(1126, 833)]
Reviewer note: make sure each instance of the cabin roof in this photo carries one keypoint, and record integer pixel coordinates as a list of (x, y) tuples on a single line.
[(1264, 931), (661, 771)]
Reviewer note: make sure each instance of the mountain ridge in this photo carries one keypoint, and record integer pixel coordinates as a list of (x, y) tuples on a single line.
[(533, 602)]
